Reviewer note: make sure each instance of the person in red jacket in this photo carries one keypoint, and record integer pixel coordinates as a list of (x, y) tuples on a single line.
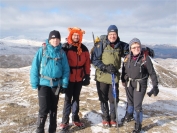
[(79, 62)]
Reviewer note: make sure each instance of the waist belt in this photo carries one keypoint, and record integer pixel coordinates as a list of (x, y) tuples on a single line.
[(75, 67), (50, 79), (137, 81)]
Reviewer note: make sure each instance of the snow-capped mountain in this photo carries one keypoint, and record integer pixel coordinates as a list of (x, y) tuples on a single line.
[(16, 52), (164, 50), (18, 102)]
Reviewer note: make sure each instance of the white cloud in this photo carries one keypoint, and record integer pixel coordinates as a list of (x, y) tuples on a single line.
[(133, 18)]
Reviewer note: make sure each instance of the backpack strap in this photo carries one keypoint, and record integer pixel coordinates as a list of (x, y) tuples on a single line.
[(77, 67), (43, 49), (126, 58), (137, 81), (50, 79), (104, 44)]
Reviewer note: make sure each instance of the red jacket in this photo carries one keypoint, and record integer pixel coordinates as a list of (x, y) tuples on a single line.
[(79, 64)]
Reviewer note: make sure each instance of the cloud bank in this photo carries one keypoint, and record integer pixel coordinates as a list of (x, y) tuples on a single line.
[(150, 21)]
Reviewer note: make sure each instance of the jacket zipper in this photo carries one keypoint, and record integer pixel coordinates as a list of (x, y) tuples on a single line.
[(76, 66)]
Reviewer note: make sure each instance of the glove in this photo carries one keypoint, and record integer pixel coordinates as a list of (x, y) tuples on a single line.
[(154, 90), (86, 80), (126, 78), (111, 69), (63, 90)]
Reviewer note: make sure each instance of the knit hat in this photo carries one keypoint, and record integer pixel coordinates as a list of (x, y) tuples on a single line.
[(54, 34), (112, 28), (134, 40)]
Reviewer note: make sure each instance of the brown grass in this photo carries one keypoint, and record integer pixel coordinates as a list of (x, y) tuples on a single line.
[(20, 118)]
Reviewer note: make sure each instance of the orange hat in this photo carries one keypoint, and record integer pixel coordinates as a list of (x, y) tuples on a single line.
[(80, 32)]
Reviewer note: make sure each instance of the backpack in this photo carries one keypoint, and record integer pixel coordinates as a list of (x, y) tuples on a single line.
[(147, 52), (102, 38)]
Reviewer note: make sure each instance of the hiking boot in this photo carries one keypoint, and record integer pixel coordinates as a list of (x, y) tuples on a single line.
[(41, 123), (113, 123), (63, 126), (106, 123), (127, 118), (53, 122), (137, 128), (78, 124)]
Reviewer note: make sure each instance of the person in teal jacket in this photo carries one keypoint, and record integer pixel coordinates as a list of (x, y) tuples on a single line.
[(49, 75)]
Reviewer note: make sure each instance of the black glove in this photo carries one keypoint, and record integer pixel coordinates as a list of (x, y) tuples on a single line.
[(154, 90), (62, 90), (86, 80), (126, 78), (111, 69)]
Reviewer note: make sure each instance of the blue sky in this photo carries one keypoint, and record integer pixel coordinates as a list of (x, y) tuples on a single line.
[(152, 21)]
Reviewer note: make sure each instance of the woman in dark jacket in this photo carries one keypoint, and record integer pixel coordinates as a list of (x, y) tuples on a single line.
[(136, 70)]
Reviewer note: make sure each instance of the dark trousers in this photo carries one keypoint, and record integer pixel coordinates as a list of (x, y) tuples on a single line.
[(48, 102), (105, 93), (134, 97), (135, 100), (72, 102)]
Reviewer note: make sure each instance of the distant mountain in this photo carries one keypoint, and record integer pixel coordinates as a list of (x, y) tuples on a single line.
[(12, 48), (164, 51)]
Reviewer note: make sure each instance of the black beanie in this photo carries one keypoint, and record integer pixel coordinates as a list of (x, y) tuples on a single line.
[(112, 28), (54, 34)]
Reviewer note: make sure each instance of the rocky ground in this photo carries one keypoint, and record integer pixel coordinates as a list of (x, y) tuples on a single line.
[(19, 107)]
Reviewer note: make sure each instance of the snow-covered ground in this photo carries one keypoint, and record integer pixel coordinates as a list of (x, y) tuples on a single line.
[(168, 63), (19, 104), (19, 108)]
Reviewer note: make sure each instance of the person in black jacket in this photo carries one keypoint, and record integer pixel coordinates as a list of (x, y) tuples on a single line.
[(135, 72)]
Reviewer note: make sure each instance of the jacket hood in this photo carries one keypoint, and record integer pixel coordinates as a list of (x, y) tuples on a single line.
[(50, 47)]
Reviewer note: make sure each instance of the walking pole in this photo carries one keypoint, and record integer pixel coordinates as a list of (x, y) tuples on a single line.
[(115, 103)]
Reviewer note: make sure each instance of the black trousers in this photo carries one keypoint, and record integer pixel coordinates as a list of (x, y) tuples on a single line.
[(72, 102), (134, 97), (48, 102), (105, 94)]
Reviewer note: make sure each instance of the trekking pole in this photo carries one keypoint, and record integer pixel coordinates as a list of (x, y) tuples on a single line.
[(115, 100), (93, 38)]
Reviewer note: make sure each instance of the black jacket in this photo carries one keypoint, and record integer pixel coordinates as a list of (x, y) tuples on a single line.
[(135, 69)]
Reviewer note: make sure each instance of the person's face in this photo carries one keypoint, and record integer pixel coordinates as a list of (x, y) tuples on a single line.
[(112, 36), (135, 48), (54, 42), (75, 37)]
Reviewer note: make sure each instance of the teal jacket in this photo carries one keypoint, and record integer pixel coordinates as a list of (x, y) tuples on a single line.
[(51, 63)]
